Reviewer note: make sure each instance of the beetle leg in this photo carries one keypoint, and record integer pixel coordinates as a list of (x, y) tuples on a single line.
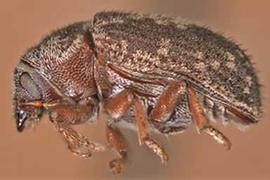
[(201, 120), (119, 104), (141, 120), (167, 101), (77, 143), (115, 140), (63, 116)]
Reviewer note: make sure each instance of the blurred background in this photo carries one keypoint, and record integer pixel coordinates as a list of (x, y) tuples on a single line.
[(41, 154)]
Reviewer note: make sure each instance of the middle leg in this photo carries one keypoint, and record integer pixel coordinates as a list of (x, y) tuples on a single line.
[(116, 141), (167, 102), (119, 104)]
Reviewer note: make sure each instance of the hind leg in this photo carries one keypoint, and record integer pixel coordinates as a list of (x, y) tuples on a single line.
[(169, 100), (201, 120)]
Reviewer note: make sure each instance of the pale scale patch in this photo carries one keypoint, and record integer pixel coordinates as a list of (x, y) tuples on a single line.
[(111, 21), (180, 22), (230, 65), (246, 90), (160, 19), (164, 47), (230, 57), (184, 69), (200, 66), (136, 16), (198, 55), (124, 46), (215, 65), (248, 79), (230, 60), (138, 56)]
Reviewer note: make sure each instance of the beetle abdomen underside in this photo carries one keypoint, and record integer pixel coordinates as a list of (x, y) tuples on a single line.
[(163, 48)]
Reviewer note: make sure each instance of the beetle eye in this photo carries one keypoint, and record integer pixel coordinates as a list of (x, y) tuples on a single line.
[(21, 117), (29, 85)]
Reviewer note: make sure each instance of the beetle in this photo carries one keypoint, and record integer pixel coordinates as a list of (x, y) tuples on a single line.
[(148, 72)]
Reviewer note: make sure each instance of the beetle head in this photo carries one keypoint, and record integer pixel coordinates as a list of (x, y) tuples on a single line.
[(26, 90)]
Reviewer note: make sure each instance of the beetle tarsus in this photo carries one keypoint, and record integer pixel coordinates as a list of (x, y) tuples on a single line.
[(115, 140), (117, 165), (218, 136), (76, 151), (202, 122), (157, 149), (77, 143)]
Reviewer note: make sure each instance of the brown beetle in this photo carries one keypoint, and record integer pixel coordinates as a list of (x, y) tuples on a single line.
[(150, 72)]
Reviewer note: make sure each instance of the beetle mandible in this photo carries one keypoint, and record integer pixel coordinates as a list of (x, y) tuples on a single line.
[(150, 72)]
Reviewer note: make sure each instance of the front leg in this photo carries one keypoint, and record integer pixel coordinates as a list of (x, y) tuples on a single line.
[(77, 143), (64, 114)]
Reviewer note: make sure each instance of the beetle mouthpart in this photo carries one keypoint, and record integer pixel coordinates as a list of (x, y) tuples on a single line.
[(20, 120), (33, 103)]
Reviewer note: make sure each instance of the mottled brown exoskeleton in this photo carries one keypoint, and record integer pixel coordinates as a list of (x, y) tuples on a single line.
[(143, 71)]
